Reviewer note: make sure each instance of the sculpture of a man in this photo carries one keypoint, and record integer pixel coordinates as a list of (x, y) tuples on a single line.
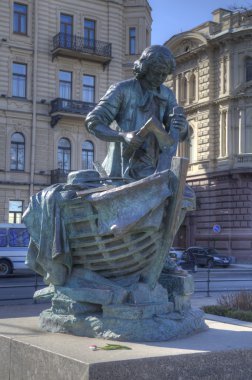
[(131, 103)]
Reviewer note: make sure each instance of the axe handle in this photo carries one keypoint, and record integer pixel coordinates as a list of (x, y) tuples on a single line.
[(152, 125)]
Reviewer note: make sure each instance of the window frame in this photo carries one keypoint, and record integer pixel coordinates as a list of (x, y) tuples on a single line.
[(16, 75), (66, 151), (62, 81), (66, 24), (86, 152), (248, 65), (89, 42), (17, 215), (20, 15), (132, 40), (17, 145), (66, 39), (88, 87)]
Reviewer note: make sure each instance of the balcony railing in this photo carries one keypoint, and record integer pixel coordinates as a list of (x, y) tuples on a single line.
[(60, 106), (245, 158), (71, 45)]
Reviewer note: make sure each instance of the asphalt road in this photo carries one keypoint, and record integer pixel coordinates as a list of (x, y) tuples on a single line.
[(19, 287), (221, 280)]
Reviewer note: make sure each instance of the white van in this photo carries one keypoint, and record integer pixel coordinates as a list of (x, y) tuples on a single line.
[(14, 240)]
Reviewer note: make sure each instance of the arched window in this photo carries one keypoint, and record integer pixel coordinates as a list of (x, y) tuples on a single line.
[(87, 155), (17, 152), (248, 68), (64, 155)]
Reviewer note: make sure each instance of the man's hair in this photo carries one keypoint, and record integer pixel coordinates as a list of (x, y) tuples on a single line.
[(152, 56)]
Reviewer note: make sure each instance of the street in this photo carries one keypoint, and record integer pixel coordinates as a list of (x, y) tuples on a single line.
[(19, 287), (222, 279)]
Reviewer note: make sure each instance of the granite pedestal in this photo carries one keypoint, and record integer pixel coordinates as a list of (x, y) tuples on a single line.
[(224, 352)]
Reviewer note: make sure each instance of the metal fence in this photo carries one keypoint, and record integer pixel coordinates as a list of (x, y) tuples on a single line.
[(213, 284), (7, 291)]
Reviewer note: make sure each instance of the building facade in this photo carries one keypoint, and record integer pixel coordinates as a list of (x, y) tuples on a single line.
[(58, 58), (213, 81)]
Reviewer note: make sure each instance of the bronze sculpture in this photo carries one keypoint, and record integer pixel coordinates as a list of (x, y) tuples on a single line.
[(131, 104), (104, 237)]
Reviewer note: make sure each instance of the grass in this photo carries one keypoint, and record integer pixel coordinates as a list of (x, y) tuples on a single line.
[(233, 305)]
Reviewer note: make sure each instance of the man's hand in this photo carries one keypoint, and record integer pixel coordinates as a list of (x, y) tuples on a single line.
[(179, 125), (179, 122), (132, 139)]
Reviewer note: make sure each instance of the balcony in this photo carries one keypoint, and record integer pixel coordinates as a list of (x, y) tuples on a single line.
[(68, 45), (243, 160), (67, 107)]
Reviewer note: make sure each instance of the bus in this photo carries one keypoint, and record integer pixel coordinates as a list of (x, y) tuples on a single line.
[(14, 240)]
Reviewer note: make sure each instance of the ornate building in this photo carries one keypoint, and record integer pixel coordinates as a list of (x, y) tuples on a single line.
[(58, 57), (213, 81)]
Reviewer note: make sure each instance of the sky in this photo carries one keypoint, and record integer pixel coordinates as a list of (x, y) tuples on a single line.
[(173, 17)]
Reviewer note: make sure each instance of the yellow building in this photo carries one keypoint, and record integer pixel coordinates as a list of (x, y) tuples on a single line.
[(58, 58), (213, 81)]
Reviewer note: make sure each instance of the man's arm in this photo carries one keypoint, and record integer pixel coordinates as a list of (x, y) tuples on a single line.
[(99, 119)]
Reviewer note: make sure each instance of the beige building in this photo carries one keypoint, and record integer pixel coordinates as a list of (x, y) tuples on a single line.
[(213, 81), (58, 57)]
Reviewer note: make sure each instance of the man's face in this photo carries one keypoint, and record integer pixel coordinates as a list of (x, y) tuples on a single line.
[(156, 75)]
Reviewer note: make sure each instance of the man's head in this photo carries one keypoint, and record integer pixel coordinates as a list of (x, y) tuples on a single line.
[(155, 61)]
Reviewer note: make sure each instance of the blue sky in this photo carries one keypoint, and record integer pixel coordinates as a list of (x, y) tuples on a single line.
[(172, 17)]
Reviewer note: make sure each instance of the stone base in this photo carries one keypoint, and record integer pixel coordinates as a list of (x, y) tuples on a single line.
[(128, 325), (223, 352), (95, 307)]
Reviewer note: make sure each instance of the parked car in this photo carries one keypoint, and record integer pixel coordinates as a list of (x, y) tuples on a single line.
[(207, 257), (176, 253), (14, 240)]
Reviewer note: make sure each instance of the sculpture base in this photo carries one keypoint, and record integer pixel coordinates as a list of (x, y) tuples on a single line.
[(161, 327), (223, 352), (94, 307)]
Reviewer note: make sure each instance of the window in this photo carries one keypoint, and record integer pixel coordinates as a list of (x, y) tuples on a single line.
[(89, 33), (3, 237), (88, 88), (223, 134), (66, 30), (225, 75), (15, 211), (20, 18), (193, 146), (147, 37), (184, 89), (192, 88), (132, 40), (19, 79), (248, 67), (65, 84), (14, 237), (64, 155), (18, 237), (87, 155), (17, 152), (248, 130)]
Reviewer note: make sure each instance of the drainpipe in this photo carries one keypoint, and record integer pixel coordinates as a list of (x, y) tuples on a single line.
[(34, 95)]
